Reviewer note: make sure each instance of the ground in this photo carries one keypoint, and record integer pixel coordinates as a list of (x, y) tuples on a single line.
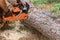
[(24, 33)]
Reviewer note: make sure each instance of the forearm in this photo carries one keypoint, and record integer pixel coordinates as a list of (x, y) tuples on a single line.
[(3, 5)]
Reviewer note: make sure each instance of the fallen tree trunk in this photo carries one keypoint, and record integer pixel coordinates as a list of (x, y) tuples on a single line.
[(43, 23)]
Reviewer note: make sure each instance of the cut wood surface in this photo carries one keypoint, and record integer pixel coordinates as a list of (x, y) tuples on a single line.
[(43, 23)]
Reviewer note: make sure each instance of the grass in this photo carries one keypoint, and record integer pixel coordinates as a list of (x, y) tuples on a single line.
[(56, 7)]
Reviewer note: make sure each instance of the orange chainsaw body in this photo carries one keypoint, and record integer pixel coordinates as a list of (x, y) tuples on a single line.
[(22, 16)]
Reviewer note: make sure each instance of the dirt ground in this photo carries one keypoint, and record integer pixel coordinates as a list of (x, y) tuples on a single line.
[(24, 33)]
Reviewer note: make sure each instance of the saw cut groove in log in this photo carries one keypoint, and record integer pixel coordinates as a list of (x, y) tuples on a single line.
[(43, 23)]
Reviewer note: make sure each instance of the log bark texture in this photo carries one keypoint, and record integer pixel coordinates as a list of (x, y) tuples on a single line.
[(43, 23)]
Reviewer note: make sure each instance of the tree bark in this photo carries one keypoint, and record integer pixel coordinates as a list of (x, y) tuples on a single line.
[(43, 23)]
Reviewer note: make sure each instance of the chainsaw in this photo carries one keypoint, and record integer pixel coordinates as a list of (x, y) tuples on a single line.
[(19, 12)]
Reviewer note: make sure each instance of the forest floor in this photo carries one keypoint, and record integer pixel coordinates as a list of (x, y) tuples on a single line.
[(21, 32), (19, 35)]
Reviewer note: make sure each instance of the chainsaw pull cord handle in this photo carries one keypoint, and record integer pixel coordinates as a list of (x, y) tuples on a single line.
[(19, 13)]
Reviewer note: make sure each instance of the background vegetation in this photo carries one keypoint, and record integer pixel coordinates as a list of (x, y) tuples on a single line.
[(51, 5)]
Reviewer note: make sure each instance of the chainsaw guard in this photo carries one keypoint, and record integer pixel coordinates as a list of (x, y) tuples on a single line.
[(22, 16)]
